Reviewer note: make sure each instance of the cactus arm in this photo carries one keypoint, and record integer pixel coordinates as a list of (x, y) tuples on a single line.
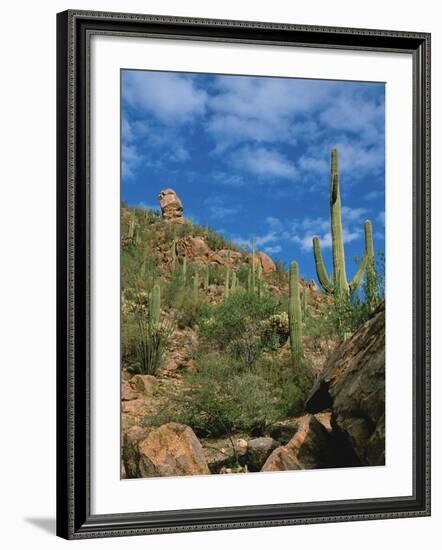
[(320, 267), (367, 260), (359, 275), (368, 231)]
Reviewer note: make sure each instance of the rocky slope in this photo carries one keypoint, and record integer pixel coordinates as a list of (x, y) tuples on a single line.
[(343, 421)]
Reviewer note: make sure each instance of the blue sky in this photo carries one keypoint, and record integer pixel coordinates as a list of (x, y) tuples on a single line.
[(249, 156)]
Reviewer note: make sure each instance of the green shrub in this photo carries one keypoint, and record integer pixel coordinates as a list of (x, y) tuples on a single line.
[(223, 399), (148, 335), (235, 325)]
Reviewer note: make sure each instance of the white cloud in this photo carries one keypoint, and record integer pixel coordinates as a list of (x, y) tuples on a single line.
[(130, 160), (169, 97), (304, 230), (273, 249), (224, 178), (263, 162), (373, 195)]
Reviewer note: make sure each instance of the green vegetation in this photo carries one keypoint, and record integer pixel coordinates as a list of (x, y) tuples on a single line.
[(222, 398), (249, 347), (236, 326), (142, 311)]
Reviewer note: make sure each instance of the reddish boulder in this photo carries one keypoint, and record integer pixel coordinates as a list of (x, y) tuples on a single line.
[(127, 392), (144, 383), (172, 450)]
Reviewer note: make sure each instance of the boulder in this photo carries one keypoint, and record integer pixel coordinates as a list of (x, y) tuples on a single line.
[(135, 407), (192, 247), (308, 449), (283, 430), (352, 385), (130, 451), (171, 206), (230, 256), (172, 450), (127, 392), (267, 264), (257, 452), (144, 383)]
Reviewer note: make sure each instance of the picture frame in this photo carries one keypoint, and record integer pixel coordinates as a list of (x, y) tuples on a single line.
[(75, 519)]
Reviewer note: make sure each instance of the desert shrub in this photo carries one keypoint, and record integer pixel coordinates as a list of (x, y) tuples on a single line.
[(148, 335), (276, 329), (235, 325), (279, 277), (348, 312), (222, 399), (188, 310)]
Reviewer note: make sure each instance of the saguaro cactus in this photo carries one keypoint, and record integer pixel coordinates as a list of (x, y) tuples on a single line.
[(253, 265), (260, 281), (294, 313), (174, 255), (196, 285), (206, 278), (227, 284), (132, 224), (304, 301), (234, 282), (155, 305), (339, 274), (184, 272)]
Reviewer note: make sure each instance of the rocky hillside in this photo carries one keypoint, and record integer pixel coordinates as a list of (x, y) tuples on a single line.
[(208, 383)]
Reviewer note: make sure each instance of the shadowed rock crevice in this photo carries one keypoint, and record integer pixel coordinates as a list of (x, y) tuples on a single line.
[(352, 386)]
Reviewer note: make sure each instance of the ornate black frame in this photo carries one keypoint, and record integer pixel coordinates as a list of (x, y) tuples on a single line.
[(74, 29)]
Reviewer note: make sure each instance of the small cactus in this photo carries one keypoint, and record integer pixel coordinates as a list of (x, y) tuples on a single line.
[(227, 284), (174, 255), (196, 284), (132, 225), (294, 314), (155, 305), (253, 265), (304, 301), (260, 281), (234, 282), (184, 270)]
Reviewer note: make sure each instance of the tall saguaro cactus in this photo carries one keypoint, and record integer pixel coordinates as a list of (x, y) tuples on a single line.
[(294, 313), (339, 281)]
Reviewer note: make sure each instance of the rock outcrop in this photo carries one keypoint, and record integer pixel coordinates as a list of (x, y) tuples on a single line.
[(309, 448), (172, 450), (171, 206), (258, 451), (352, 385)]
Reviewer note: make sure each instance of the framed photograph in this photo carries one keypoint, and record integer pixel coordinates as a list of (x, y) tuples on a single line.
[(243, 274)]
